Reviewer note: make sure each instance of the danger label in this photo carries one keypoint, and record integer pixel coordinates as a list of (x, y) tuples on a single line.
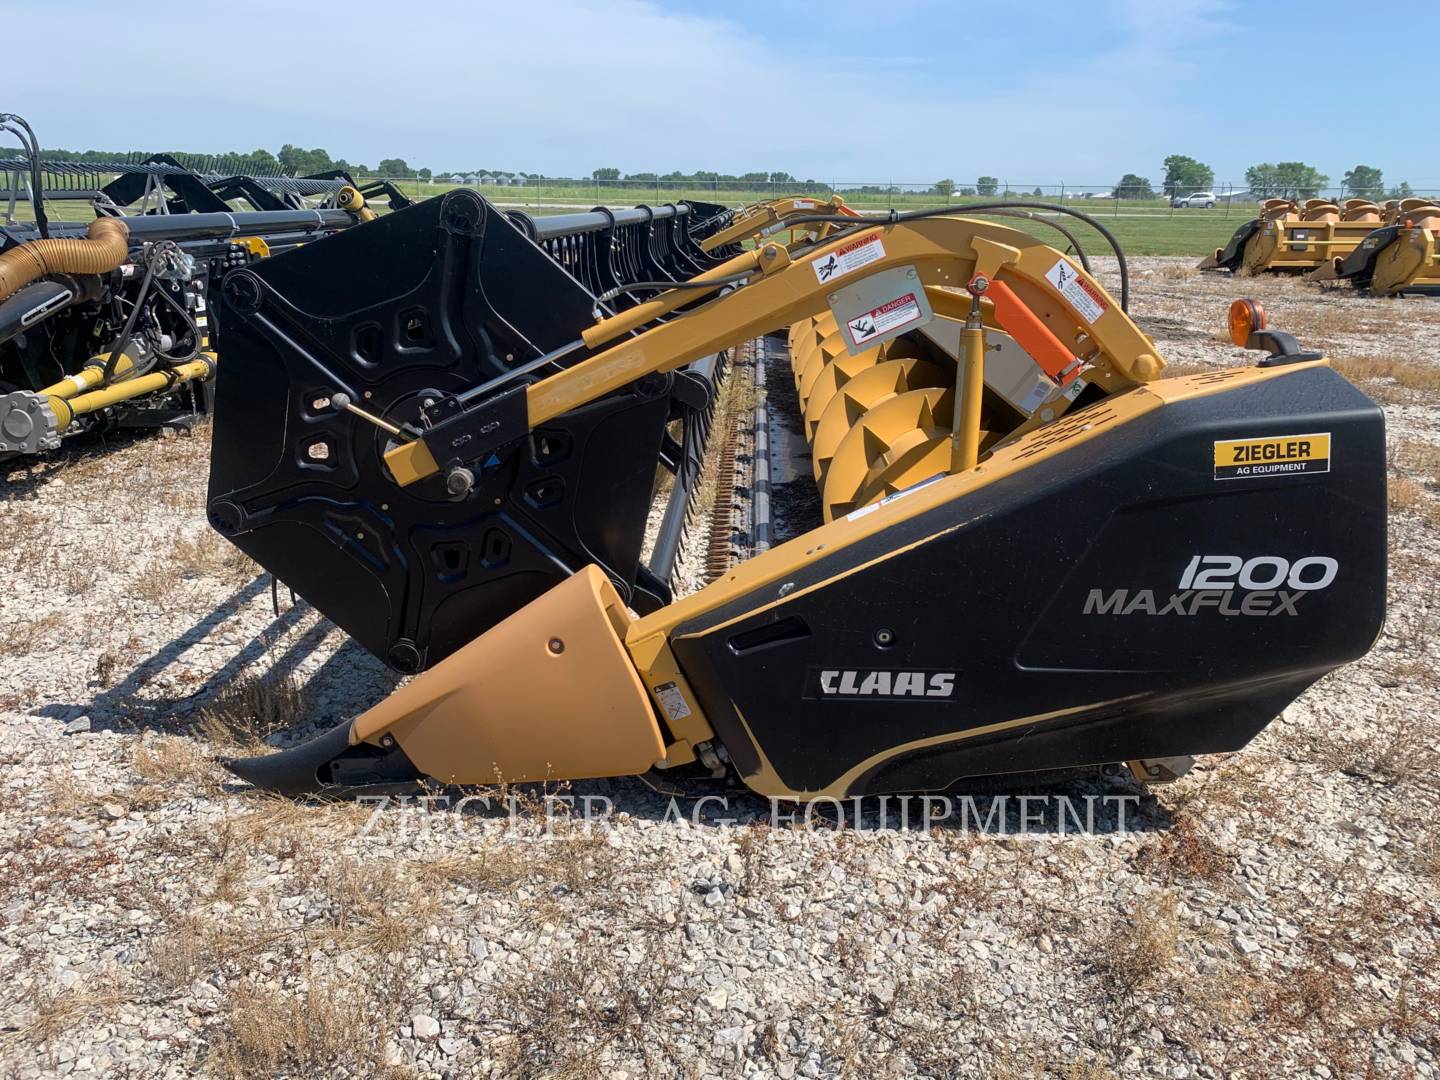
[(849, 258), (1078, 293), (885, 319), (1277, 455), (804, 204)]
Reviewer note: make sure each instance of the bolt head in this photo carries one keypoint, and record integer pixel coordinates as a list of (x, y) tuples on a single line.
[(459, 480)]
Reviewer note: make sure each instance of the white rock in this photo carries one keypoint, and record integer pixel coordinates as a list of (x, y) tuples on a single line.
[(424, 1027), (1247, 946)]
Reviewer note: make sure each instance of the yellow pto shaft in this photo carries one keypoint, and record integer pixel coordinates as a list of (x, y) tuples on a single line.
[(66, 409), (89, 377)]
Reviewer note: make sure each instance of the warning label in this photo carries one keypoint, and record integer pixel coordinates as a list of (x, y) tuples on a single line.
[(672, 701), (885, 319), (804, 204), (1278, 455), (1078, 293), (850, 257)]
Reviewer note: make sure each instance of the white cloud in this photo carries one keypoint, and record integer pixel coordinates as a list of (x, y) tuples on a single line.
[(564, 86)]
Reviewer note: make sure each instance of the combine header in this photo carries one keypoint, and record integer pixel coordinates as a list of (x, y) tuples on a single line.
[(1028, 550), (109, 322), (1389, 250), (1287, 236), (1403, 256)]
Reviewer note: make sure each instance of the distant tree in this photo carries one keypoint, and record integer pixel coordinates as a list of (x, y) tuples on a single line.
[(1132, 186), (987, 185), (945, 188), (300, 161), (605, 174), (1288, 179), (642, 176), (1402, 190), (1184, 175), (755, 177), (1263, 181), (967, 191), (424, 174), (1365, 181), (394, 166), (259, 162), (781, 178), (1038, 193)]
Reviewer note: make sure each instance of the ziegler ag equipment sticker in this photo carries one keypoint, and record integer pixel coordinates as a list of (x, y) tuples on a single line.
[(851, 256), (1274, 455)]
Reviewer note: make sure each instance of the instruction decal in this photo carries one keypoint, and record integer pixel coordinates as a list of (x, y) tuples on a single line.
[(885, 319), (1087, 301), (1275, 455), (848, 258), (672, 701)]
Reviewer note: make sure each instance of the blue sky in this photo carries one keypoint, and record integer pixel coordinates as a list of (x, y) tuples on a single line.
[(901, 90)]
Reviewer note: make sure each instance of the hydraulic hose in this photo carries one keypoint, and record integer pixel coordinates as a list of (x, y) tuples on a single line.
[(894, 217), (105, 249)]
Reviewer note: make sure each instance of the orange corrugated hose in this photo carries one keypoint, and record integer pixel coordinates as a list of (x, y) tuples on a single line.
[(105, 250)]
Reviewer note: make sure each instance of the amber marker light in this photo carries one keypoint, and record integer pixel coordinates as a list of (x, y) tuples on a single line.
[(1246, 318)]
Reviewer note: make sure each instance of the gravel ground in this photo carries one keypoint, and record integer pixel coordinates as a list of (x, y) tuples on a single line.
[(1272, 914)]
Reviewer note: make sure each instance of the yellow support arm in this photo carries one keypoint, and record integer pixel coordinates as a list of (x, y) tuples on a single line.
[(939, 254), (762, 219)]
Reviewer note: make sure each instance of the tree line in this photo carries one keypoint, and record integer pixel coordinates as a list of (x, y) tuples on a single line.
[(1184, 175), (291, 159)]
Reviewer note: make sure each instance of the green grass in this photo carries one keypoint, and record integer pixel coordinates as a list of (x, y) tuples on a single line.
[(1191, 232), (1143, 228)]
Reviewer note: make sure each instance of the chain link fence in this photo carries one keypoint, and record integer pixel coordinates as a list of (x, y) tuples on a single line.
[(559, 194)]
